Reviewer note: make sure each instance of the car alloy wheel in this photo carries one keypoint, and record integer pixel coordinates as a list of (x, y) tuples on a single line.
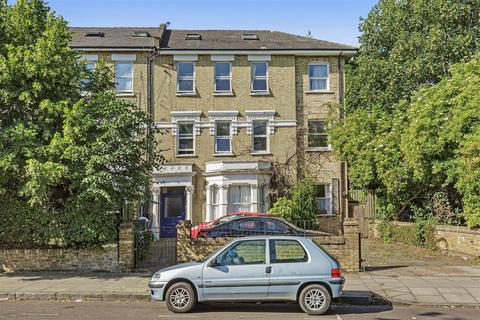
[(314, 299), (180, 297)]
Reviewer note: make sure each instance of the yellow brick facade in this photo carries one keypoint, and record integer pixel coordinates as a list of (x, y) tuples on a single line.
[(288, 96)]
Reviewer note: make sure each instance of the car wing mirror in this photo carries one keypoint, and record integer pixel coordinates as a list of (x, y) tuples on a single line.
[(213, 263)]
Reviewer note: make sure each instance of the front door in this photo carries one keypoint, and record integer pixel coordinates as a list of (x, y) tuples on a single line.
[(239, 273), (172, 209)]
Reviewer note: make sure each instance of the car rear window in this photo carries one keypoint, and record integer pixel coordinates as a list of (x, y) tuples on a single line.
[(285, 251)]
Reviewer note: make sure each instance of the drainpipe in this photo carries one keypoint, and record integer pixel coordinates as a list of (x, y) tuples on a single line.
[(150, 107), (341, 88)]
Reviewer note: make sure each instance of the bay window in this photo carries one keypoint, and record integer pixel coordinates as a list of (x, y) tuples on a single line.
[(239, 198)]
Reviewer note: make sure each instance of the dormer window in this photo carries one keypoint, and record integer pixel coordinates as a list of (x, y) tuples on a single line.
[(141, 34), (193, 36), (94, 34), (249, 36)]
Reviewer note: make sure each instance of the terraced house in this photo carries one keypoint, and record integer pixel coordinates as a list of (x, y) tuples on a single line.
[(241, 111)]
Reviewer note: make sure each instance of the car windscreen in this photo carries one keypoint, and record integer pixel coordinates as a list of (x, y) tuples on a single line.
[(226, 219)]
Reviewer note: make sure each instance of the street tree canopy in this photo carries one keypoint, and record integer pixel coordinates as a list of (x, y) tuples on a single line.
[(71, 153), (407, 46)]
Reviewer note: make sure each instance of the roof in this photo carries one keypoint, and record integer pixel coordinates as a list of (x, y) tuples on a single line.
[(115, 37), (122, 37), (233, 40)]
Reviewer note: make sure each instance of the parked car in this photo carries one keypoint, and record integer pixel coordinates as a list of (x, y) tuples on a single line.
[(259, 225), (262, 268), (226, 218)]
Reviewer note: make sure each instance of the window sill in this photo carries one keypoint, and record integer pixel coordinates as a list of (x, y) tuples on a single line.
[(326, 214), (223, 94), (186, 94), (186, 155), (319, 92), (125, 94), (318, 149), (260, 94), (260, 153), (225, 154)]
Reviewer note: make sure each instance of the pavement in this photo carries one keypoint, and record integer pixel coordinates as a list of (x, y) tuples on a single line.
[(47, 310), (395, 275)]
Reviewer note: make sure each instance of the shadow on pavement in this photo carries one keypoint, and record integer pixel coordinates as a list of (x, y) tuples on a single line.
[(290, 307), (380, 268), (54, 275)]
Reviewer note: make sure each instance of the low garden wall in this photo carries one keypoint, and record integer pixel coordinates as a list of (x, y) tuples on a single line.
[(111, 257), (345, 248), (446, 238)]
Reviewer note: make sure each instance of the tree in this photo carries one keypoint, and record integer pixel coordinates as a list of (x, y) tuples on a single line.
[(405, 45), (441, 142), (71, 153)]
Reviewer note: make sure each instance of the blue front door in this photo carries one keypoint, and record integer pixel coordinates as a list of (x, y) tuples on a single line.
[(172, 209)]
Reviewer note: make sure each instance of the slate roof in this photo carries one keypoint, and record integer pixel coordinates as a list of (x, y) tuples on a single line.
[(122, 37), (114, 37)]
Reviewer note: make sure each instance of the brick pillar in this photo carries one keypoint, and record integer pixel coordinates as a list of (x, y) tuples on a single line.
[(184, 247), (126, 247), (351, 233)]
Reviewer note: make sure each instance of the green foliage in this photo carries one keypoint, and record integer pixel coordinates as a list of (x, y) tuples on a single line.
[(300, 205), (385, 230), (283, 207), (408, 145), (71, 153)]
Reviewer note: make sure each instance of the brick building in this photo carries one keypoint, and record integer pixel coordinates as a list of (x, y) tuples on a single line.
[(240, 111)]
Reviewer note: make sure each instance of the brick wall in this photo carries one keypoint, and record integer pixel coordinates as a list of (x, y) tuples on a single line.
[(345, 248), (111, 257), (450, 239), (101, 259)]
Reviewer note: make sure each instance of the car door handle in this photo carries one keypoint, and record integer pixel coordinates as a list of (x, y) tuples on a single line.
[(268, 269)]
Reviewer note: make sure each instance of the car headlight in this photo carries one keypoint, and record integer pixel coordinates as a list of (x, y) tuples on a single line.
[(156, 276)]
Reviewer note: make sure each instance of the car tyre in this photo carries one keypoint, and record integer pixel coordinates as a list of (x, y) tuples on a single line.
[(314, 299), (180, 298)]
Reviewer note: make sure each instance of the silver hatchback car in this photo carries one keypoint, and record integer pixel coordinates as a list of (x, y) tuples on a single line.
[(263, 268)]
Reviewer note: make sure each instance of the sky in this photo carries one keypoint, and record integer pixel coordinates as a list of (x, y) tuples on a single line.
[(333, 20)]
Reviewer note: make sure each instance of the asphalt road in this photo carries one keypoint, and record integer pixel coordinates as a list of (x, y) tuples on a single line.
[(151, 310)]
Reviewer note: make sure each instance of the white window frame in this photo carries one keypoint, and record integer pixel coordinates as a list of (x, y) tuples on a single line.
[(238, 204), (230, 151), (319, 78), (229, 78), (186, 78), (179, 136), (330, 198), (328, 147), (266, 136), (252, 77), (215, 201), (120, 92)]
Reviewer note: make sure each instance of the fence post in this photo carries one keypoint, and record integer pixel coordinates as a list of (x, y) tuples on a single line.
[(126, 247)]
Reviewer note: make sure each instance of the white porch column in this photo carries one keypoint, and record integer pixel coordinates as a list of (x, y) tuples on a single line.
[(254, 197), (188, 209), (208, 203), (155, 213), (222, 199)]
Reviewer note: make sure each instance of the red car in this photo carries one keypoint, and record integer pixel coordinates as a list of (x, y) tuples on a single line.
[(197, 230)]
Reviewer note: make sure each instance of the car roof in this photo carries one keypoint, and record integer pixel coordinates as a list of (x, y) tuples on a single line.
[(266, 237)]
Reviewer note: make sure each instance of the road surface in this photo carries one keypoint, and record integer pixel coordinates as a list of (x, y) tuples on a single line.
[(36, 310)]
